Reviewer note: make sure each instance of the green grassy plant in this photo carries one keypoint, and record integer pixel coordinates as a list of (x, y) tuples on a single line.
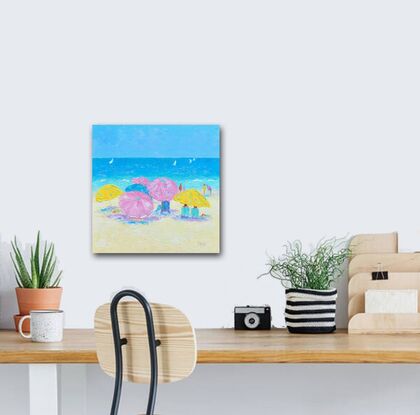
[(315, 270)]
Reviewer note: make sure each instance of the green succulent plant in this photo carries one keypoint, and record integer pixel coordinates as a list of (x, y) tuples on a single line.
[(42, 269), (315, 270)]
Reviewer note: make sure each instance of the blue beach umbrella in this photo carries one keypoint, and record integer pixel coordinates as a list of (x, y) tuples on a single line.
[(137, 188)]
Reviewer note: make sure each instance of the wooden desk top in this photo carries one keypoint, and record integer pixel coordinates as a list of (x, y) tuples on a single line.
[(229, 346)]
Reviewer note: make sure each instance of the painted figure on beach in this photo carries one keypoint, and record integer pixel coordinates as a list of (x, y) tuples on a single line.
[(151, 189), (206, 189), (185, 212)]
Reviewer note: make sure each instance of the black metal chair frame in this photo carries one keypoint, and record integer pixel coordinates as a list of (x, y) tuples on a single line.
[(120, 342)]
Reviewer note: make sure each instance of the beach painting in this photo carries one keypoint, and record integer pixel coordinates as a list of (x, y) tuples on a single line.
[(155, 189)]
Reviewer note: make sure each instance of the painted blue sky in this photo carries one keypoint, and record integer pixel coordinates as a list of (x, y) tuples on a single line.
[(147, 141)]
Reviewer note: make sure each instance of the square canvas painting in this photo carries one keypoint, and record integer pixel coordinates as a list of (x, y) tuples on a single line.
[(156, 189)]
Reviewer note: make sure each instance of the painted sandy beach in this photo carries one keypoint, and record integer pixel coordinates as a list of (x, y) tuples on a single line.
[(175, 236), (155, 189)]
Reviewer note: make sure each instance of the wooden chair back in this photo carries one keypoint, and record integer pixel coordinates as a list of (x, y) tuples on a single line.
[(177, 352)]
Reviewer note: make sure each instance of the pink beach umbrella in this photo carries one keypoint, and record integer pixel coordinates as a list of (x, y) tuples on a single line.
[(136, 204), (141, 180), (164, 190)]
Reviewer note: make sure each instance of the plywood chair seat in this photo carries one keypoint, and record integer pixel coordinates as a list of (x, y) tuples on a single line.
[(175, 342)]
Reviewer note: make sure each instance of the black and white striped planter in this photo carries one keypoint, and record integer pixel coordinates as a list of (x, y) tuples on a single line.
[(310, 311)]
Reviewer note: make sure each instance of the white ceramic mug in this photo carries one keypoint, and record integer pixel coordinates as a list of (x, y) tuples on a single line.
[(46, 326)]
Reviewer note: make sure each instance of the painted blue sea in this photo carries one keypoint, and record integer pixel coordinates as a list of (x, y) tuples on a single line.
[(191, 172)]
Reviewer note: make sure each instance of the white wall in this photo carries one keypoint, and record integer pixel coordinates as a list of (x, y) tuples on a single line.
[(318, 103)]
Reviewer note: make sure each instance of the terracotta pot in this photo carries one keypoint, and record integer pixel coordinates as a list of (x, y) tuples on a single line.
[(36, 299)]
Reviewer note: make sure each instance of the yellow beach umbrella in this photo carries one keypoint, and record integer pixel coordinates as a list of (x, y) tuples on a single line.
[(192, 197), (108, 192)]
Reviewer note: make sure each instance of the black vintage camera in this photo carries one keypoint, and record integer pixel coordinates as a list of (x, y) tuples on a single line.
[(253, 318)]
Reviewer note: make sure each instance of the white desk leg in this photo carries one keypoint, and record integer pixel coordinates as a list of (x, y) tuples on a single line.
[(43, 389)]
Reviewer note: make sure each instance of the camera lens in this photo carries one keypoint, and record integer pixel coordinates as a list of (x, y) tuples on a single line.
[(252, 321)]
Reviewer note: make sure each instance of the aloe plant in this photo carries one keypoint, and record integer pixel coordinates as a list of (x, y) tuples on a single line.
[(42, 268)]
